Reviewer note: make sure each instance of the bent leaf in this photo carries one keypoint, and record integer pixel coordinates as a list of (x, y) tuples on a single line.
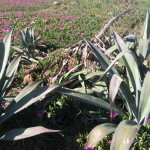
[(22, 133), (124, 135), (98, 133)]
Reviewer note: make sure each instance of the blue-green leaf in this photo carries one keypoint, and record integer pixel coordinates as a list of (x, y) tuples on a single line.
[(124, 135), (22, 133)]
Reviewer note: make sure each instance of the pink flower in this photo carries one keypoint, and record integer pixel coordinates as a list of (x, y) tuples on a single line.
[(112, 115), (71, 59), (110, 141), (81, 33), (26, 71), (70, 67), (16, 39), (62, 28), (90, 148), (148, 121), (40, 113)]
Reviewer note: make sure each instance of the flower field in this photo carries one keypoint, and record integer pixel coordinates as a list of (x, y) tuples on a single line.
[(56, 29)]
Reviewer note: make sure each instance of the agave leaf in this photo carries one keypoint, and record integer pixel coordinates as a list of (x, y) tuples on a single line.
[(67, 75), (31, 31), (8, 98), (144, 48), (10, 73), (98, 102), (98, 133), (22, 34), (131, 42), (111, 49), (81, 80), (29, 88), (77, 73), (100, 89), (113, 89), (17, 48), (22, 133), (144, 106), (130, 62), (124, 135), (5, 49), (146, 26), (28, 36), (90, 75), (28, 100), (115, 84)]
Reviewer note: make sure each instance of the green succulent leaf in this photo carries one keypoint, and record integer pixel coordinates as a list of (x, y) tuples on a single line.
[(146, 26), (5, 49), (22, 34), (22, 133), (144, 48), (98, 133), (28, 100), (130, 62), (111, 49), (113, 89), (124, 135), (29, 88), (9, 76), (144, 106)]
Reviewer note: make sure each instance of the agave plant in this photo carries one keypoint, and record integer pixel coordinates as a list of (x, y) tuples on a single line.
[(29, 95), (133, 89), (29, 42)]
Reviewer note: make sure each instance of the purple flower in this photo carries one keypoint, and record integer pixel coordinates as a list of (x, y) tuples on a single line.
[(70, 67), (90, 148), (71, 59), (109, 142), (40, 113), (26, 71), (112, 114), (148, 121), (62, 28), (81, 33)]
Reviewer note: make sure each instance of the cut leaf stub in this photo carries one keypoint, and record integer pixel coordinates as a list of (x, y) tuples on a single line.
[(124, 135), (98, 133)]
